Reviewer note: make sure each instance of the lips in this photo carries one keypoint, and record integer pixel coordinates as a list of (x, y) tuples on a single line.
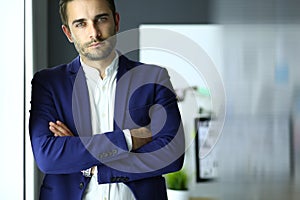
[(97, 44)]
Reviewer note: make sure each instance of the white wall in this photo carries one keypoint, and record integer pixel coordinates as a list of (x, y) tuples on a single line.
[(12, 99)]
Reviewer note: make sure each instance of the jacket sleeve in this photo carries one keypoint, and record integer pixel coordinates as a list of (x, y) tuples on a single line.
[(64, 155), (165, 153)]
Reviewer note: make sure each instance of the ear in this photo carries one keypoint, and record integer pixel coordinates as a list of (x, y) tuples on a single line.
[(67, 32), (117, 21)]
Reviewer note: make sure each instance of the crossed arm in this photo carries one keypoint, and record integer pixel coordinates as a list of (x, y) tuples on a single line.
[(139, 136)]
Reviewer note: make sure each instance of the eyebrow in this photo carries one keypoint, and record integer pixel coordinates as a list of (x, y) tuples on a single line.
[(96, 17), (101, 15)]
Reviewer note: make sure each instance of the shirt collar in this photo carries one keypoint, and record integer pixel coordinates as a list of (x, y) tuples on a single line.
[(94, 73)]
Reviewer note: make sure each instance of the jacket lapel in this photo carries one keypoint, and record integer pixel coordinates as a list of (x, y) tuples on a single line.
[(124, 77), (80, 99)]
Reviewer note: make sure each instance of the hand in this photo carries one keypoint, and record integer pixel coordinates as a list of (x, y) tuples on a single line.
[(140, 137), (59, 129)]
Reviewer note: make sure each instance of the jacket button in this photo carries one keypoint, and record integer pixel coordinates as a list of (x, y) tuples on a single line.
[(81, 185), (118, 179)]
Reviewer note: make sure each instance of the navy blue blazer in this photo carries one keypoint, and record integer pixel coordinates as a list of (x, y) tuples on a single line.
[(144, 97)]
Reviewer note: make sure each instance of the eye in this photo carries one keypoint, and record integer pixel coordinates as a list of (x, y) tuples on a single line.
[(102, 19), (79, 24)]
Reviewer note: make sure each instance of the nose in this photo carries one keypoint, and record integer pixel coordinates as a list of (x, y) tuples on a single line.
[(94, 31)]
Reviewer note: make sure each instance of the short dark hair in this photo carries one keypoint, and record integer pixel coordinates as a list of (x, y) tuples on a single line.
[(63, 9)]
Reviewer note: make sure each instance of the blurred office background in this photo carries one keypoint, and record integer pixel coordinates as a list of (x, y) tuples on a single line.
[(256, 54)]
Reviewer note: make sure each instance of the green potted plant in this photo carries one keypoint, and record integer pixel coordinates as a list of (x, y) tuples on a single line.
[(177, 185)]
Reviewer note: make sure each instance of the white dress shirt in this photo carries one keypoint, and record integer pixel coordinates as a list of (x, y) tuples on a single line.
[(102, 99)]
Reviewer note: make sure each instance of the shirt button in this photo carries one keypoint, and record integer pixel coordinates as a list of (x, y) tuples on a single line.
[(81, 185), (103, 115)]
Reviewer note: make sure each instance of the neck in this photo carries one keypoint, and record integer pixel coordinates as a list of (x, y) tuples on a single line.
[(100, 65)]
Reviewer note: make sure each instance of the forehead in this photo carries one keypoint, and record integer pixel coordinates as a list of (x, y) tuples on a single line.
[(85, 9)]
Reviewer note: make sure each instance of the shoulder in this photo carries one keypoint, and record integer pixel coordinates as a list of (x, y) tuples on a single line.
[(58, 72), (52, 71), (50, 75)]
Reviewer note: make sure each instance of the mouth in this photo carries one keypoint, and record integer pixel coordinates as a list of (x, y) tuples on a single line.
[(96, 44)]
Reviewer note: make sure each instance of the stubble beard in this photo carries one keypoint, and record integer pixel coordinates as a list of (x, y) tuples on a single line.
[(101, 53)]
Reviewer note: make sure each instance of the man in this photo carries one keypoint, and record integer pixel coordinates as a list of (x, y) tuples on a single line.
[(102, 126)]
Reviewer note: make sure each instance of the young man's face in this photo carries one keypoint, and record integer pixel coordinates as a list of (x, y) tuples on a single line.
[(91, 24)]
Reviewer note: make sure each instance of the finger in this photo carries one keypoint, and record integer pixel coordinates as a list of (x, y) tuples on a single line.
[(58, 130), (55, 131), (62, 130), (64, 127)]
